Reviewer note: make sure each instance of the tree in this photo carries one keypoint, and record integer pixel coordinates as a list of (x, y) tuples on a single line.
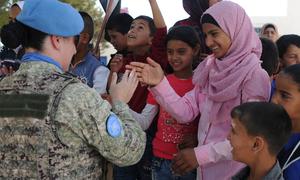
[(4, 9)]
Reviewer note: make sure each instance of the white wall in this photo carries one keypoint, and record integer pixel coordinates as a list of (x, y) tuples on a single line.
[(287, 24)]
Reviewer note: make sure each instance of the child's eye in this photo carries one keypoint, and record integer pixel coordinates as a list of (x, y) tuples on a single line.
[(292, 56), (214, 34), (169, 52), (284, 95), (132, 26), (181, 51)]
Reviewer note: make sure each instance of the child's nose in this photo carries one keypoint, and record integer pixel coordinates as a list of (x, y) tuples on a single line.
[(208, 41)]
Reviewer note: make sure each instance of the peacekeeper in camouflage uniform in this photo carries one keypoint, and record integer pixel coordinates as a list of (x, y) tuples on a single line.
[(79, 132)]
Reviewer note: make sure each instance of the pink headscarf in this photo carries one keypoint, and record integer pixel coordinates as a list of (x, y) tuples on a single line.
[(222, 80)]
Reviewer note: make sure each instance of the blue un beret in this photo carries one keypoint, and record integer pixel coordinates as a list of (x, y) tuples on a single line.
[(51, 17)]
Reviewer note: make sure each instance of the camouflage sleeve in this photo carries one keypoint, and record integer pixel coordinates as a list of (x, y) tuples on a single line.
[(136, 142), (83, 117)]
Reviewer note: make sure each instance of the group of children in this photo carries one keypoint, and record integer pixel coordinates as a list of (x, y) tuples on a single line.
[(213, 117), (226, 82)]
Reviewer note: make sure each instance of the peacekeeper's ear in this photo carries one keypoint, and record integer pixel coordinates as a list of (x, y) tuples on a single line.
[(55, 41)]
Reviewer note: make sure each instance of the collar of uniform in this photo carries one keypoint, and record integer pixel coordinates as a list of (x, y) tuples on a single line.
[(40, 66)]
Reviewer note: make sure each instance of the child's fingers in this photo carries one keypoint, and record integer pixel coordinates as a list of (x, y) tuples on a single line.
[(141, 80), (177, 162), (137, 69), (129, 67), (138, 64), (152, 62), (11, 69), (5, 69)]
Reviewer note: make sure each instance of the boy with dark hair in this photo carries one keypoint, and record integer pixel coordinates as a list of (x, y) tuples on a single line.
[(116, 31), (84, 64), (269, 56), (145, 38), (289, 50), (88, 25), (259, 131), (270, 60)]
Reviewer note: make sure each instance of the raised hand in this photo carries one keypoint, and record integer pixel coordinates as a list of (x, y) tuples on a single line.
[(123, 90), (151, 73), (116, 63)]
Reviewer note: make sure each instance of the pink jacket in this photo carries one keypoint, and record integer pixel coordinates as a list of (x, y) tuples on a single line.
[(214, 151)]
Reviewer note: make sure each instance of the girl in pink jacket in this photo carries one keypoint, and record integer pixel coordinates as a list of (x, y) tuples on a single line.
[(230, 76)]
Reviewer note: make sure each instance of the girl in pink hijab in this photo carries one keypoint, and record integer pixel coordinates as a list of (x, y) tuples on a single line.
[(230, 76)]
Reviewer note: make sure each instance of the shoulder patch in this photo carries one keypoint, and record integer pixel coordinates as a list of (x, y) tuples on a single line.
[(113, 126)]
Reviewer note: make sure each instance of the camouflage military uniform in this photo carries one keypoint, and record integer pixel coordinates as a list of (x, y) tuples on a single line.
[(75, 143)]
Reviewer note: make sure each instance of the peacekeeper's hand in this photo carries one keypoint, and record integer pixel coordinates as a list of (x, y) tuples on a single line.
[(123, 90), (150, 74)]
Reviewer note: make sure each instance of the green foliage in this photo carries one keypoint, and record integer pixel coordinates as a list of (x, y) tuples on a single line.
[(4, 9)]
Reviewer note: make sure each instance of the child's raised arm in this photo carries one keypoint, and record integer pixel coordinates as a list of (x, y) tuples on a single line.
[(157, 16)]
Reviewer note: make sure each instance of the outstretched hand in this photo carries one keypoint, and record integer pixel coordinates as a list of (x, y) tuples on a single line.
[(123, 90), (150, 74)]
